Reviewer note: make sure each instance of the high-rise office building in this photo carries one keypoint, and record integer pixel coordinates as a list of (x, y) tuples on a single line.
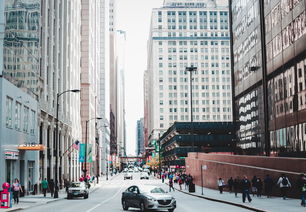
[(140, 137), (269, 76), (20, 88), (187, 33)]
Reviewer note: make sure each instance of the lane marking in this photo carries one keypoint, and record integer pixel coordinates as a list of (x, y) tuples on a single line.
[(109, 199)]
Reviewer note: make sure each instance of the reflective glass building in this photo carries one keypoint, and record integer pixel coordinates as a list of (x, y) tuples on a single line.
[(269, 52)]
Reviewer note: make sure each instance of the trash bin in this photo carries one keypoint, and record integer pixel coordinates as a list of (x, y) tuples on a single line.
[(191, 187)]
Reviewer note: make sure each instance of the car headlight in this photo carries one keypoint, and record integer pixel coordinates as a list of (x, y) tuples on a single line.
[(69, 191), (151, 198)]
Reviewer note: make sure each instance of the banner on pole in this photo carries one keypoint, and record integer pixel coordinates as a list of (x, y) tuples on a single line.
[(82, 153), (89, 153)]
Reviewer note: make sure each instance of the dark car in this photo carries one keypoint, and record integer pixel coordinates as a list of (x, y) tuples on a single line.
[(128, 176), (147, 198)]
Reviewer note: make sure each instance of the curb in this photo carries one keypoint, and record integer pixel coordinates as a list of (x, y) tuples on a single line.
[(222, 201)]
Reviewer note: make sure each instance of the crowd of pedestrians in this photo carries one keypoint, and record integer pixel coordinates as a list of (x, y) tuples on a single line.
[(178, 178), (256, 186)]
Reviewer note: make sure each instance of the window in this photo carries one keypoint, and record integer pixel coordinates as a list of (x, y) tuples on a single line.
[(25, 119), (9, 112), (33, 122), (18, 116)]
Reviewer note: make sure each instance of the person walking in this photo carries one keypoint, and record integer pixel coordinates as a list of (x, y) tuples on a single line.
[(236, 185), (284, 185), (301, 184), (171, 185), (163, 177), (245, 186), (16, 190), (268, 185), (44, 185), (254, 187), (230, 183), (220, 184), (180, 182), (51, 187), (259, 185)]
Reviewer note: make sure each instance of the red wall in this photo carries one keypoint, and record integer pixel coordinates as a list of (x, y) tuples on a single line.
[(226, 166)]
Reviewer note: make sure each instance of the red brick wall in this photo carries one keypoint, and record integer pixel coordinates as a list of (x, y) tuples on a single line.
[(226, 166)]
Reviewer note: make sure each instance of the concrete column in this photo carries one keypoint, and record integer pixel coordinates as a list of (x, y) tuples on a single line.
[(51, 135), (45, 138)]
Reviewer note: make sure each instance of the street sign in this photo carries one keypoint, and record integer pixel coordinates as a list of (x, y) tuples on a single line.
[(204, 167)]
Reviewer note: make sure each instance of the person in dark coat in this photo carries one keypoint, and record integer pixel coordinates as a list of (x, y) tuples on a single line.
[(259, 185), (236, 185), (51, 187), (268, 185), (230, 183), (245, 186), (301, 185), (254, 187)]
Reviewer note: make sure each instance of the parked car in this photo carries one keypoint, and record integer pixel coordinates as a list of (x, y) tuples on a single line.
[(77, 189), (147, 198), (144, 175), (128, 176)]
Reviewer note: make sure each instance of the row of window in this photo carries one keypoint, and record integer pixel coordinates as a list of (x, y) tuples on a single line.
[(197, 110), (197, 102), (203, 72), (19, 117)]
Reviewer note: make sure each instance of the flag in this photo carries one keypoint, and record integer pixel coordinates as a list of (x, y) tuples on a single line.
[(75, 145)]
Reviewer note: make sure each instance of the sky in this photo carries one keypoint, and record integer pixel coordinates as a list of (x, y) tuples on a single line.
[(134, 17)]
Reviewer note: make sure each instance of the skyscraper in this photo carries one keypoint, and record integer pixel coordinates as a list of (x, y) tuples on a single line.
[(188, 33), (140, 137), (269, 76)]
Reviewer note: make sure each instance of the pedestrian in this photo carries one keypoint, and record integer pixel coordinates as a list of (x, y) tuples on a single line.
[(284, 185), (245, 186), (180, 181), (67, 185), (259, 187), (236, 185), (16, 190), (230, 183), (301, 184), (44, 185), (51, 187), (220, 183), (171, 185), (187, 181), (268, 185), (163, 177), (254, 187)]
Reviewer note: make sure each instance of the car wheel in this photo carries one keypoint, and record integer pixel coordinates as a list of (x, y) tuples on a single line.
[(170, 210), (124, 206), (85, 196), (68, 196), (142, 207)]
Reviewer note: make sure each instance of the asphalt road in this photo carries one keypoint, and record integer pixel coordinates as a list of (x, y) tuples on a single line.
[(108, 199)]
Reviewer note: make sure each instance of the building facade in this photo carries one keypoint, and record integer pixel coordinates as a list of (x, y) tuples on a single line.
[(140, 137), (19, 91), (269, 76), (188, 33)]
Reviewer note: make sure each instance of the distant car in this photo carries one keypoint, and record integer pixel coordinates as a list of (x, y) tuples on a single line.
[(144, 175), (147, 198), (130, 171), (128, 176), (146, 170), (77, 189)]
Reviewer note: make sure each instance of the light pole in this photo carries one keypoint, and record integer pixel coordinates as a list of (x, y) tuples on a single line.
[(85, 159), (56, 139), (191, 69)]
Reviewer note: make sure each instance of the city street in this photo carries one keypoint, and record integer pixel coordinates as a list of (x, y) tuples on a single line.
[(108, 198)]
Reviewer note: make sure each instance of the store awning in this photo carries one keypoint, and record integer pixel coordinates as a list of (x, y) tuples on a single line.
[(31, 147)]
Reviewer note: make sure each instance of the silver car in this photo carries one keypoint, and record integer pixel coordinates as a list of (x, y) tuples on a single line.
[(147, 198), (77, 189)]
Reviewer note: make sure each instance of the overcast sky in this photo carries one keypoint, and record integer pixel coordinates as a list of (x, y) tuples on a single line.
[(133, 16)]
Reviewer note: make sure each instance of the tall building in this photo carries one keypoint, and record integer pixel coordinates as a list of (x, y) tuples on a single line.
[(60, 72), (269, 76), (104, 110), (187, 33), (140, 137), (20, 87), (90, 76)]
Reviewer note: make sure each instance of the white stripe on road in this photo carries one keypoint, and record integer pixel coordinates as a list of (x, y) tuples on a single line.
[(105, 201)]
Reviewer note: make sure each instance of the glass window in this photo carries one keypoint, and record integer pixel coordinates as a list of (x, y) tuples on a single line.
[(9, 112), (25, 119)]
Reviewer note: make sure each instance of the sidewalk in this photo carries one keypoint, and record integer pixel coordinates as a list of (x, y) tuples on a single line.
[(261, 204), (36, 200)]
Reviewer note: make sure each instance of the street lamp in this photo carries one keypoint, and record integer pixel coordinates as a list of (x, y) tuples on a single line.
[(56, 139), (191, 69), (85, 159)]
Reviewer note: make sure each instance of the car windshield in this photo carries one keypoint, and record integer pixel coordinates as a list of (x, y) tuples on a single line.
[(74, 185), (157, 191)]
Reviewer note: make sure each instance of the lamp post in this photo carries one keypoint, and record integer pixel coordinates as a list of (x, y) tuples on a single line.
[(85, 159), (191, 69), (56, 139)]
